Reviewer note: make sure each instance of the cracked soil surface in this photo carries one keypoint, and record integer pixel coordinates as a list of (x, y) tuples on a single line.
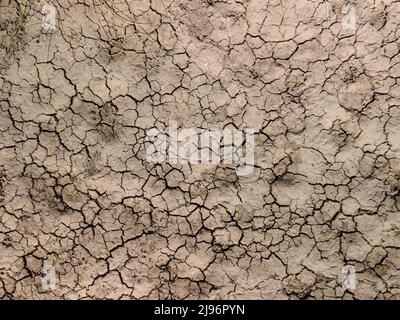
[(77, 193)]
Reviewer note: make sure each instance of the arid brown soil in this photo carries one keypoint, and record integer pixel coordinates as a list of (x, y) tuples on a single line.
[(78, 196)]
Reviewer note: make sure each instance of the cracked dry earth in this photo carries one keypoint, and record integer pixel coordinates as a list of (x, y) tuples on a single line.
[(77, 193)]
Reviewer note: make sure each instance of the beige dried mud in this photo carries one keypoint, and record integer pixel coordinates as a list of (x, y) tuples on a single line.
[(76, 191)]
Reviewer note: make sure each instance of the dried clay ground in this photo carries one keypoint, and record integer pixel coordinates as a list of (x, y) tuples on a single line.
[(76, 191)]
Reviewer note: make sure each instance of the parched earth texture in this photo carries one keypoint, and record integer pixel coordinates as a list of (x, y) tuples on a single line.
[(76, 191)]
